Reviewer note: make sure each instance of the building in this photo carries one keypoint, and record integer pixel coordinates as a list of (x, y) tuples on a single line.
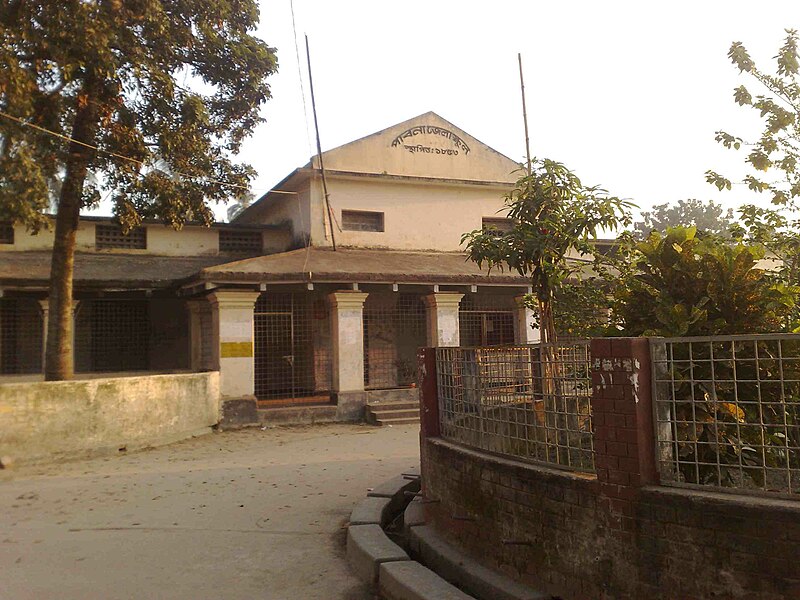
[(268, 301)]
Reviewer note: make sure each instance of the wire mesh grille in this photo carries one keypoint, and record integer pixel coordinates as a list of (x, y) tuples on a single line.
[(292, 347), (112, 335), (394, 328), (206, 337), (111, 236), (6, 232), (21, 336), (727, 411), (486, 320), (529, 402), (240, 242)]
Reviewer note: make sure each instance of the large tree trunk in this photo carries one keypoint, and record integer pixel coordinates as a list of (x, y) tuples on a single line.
[(59, 363)]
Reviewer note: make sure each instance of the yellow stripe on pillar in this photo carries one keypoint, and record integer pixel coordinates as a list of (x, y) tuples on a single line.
[(236, 349)]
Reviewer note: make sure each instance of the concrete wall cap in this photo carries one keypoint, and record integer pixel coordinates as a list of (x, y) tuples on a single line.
[(411, 581), (369, 511), (368, 548)]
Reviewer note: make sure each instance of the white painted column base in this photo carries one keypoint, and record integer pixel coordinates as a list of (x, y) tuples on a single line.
[(443, 321), (232, 314), (347, 338), (525, 331)]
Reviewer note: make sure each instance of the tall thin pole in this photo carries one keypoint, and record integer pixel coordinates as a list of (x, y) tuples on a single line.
[(524, 112), (319, 148)]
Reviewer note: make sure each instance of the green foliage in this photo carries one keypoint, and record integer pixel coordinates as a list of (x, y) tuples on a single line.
[(175, 85), (705, 216), (684, 284), (778, 148), (554, 214)]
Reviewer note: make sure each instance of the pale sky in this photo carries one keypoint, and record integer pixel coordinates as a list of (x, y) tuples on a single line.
[(627, 94)]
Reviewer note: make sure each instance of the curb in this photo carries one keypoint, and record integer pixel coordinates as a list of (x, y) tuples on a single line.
[(377, 559)]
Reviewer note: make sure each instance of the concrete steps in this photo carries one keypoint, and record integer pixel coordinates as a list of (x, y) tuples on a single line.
[(392, 413)]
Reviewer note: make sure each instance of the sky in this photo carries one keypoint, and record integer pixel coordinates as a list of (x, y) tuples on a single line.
[(626, 94)]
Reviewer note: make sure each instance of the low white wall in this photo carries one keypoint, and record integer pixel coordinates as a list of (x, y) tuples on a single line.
[(45, 421)]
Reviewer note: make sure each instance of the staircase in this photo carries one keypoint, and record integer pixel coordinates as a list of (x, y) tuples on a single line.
[(398, 412)]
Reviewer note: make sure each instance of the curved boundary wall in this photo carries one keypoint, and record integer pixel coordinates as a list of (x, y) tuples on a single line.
[(618, 534), (49, 421)]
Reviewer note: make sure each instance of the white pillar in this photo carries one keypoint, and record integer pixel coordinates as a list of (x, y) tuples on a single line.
[(442, 312), (232, 313), (347, 338), (525, 331)]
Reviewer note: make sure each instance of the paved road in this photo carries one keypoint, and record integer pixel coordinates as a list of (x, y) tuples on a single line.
[(248, 514)]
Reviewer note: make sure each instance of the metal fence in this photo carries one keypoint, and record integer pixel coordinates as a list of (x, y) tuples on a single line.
[(21, 336), (486, 320), (727, 411), (394, 328), (529, 402), (292, 348)]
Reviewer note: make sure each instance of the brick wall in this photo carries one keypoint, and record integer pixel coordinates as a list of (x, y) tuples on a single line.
[(619, 534)]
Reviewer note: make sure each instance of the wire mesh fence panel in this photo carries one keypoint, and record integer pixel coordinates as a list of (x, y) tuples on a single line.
[(394, 328), (112, 335), (292, 347), (727, 412), (21, 336), (529, 402), (486, 320)]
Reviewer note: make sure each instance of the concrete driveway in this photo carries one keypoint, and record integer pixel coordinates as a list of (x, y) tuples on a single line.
[(247, 514)]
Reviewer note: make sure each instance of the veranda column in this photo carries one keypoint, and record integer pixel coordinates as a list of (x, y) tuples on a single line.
[(442, 313), (195, 308), (232, 318), (347, 339), (45, 307), (525, 331)]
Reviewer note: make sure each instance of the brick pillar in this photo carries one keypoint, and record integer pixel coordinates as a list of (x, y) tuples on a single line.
[(347, 338), (428, 393), (622, 417)]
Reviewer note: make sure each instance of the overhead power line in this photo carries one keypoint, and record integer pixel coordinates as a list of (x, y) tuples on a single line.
[(128, 158)]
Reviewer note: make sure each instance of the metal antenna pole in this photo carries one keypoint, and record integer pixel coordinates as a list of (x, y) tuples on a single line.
[(524, 112), (319, 148)]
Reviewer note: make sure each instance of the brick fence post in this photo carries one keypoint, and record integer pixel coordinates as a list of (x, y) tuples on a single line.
[(428, 393), (622, 415)]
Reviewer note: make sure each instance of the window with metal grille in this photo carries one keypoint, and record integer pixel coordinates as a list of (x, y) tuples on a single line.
[(112, 335), (498, 224), (292, 348), (362, 220), (240, 242), (6, 232), (20, 336), (394, 328), (111, 236), (486, 320)]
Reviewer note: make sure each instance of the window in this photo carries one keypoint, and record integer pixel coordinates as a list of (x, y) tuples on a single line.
[(111, 236), (499, 224), (240, 242), (362, 220), (6, 232)]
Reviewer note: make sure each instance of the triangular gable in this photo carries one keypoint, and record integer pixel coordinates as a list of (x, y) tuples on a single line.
[(425, 146)]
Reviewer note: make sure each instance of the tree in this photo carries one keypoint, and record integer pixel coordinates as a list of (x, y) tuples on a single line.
[(155, 97), (778, 148), (554, 215), (705, 216), (683, 284), (686, 284)]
